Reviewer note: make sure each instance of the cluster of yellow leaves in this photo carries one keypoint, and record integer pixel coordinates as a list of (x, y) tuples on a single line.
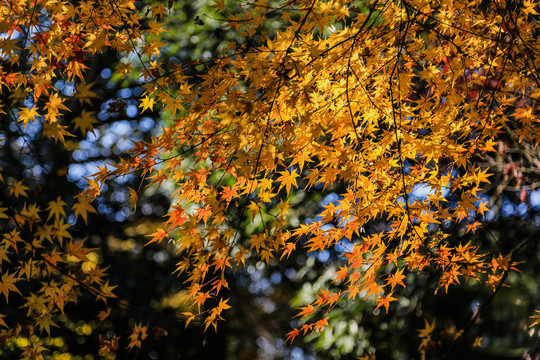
[(430, 340), (42, 264), (139, 333), (48, 40), (383, 98), (43, 42)]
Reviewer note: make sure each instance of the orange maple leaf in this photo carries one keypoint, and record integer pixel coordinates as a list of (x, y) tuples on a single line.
[(287, 179), (306, 311), (385, 301)]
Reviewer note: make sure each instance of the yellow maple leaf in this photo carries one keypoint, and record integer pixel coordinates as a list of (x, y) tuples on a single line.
[(85, 122), (54, 105), (478, 342), (397, 278), (7, 284), (147, 103), (26, 115), (56, 208), (253, 209), (45, 321), (75, 68), (56, 131), (18, 189), (82, 207), (288, 179), (427, 330), (528, 7), (4, 255), (29, 214), (139, 333), (60, 230), (133, 198), (83, 93), (106, 291)]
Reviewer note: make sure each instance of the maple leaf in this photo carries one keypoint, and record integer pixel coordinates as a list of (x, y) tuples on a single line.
[(529, 7), (7, 284), (106, 291), (223, 305), (300, 159), (320, 324), (53, 130), (27, 114), (103, 314), (478, 342), (60, 230), (54, 105), (289, 247), (372, 288), (396, 278), (147, 103), (473, 226), (30, 214), (253, 209), (75, 68), (33, 351), (190, 316), (228, 193), (219, 5), (200, 299), (133, 198), (341, 274), (385, 301), (291, 335), (427, 330), (82, 207), (266, 255), (18, 189), (287, 179), (85, 122), (306, 311), (322, 297), (56, 208), (482, 208), (158, 236), (204, 214), (45, 321), (177, 217), (83, 93), (77, 250), (4, 255), (138, 334)]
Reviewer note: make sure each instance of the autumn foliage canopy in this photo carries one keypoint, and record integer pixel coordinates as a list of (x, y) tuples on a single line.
[(379, 100)]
